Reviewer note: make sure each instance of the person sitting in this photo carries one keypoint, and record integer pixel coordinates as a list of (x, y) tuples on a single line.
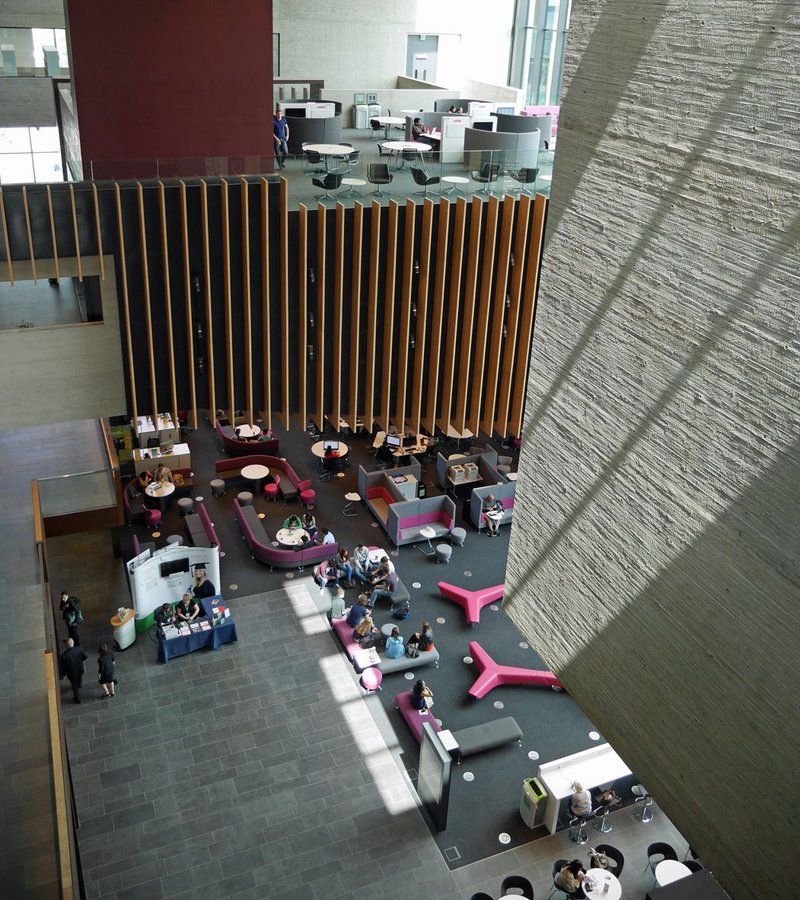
[(337, 604), (327, 536), (580, 803), (344, 564), (423, 638), (310, 525), (569, 879), (187, 609), (143, 479), (394, 645), (379, 574), (386, 563), (357, 611), (292, 521), (385, 455), (326, 573), (385, 588), (265, 435), (361, 563), (421, 696), (490, 507), (162, 474), (165, 615), (366, 630)]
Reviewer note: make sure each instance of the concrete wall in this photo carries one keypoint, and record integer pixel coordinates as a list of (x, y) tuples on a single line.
[(66, 372), (26, 101), (32, 13), (655, 560)]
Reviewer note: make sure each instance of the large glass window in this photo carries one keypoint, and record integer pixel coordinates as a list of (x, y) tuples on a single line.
[(540, 53), (30, 154)]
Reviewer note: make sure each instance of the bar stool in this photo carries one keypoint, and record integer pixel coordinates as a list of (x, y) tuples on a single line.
[(245, 498), (577, 830), (217, 487), (175, 539), (600, 824), (643, 801)]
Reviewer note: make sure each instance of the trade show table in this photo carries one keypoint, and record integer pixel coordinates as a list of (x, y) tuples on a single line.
[(212, 637)]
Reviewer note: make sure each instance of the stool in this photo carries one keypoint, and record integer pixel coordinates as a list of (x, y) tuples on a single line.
[(185, 506), (175, 539), (577, 830), (245, 498), (443, 552), (458, 535), (217, 487), (503, 469), (643, 802), (371, 679), (601, 825)]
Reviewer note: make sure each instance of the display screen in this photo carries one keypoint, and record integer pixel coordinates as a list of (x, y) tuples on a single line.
[(174, 566), (330, 445), (433, 782), (393, 440)]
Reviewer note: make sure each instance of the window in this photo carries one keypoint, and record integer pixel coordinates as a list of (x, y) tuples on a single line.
[(30, 154)]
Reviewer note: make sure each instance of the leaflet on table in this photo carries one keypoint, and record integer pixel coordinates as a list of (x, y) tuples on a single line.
[(169, 631)]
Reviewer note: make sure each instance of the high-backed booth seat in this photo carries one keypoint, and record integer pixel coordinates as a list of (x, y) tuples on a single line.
[(484, 462), (403, 519), (502, 493), (259, 542), (200, 528), (230, 469), (236, 447)]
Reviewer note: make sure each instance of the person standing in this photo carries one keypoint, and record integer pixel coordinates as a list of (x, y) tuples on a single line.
[(105, 670), (72, 668), (202, 587), (280, 134), (71, 613)]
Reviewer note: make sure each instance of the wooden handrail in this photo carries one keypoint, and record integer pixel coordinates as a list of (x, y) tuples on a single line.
[(108, 441), (38, 521)]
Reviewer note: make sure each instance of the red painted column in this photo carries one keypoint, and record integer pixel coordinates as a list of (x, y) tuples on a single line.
[(177, 80)]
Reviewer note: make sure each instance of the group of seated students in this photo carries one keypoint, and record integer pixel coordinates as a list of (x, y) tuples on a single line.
[(261, 436), (343, 569), (308, 523)]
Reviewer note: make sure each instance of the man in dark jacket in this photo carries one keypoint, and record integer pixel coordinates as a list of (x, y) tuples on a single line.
[(72, 660), (70, 610)]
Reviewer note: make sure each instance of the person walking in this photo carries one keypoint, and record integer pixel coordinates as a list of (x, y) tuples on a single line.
[(71, 613), (105, 670), (72, 668)]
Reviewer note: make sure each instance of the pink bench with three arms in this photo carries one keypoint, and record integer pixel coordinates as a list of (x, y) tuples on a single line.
[(494, 674), (472, 601)]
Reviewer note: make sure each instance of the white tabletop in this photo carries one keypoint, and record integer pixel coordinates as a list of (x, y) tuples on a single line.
[(428, 532), (318, 449), (598, 879), (433, 135), (255, 471), (511, 476), (247, 431), (353, 496), (292, 537), (329, 149), (455, 179), (390, 120), (375, 556), (669, 870), (406, 145), (159, 489)]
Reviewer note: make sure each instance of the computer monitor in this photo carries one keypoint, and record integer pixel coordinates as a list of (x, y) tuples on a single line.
[(393, 440), (410, 441), (483, 126), (329, 445)]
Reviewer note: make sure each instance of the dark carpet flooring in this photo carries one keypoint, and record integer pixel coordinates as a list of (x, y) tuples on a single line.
[(486, 789)]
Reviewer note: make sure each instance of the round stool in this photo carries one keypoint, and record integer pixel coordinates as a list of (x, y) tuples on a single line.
[(175, 539), (503, 469), (217, 487), (577, 831), (458, 535), (642, 803), (185, 506), (245, 498), (443, 552), (371, 679)]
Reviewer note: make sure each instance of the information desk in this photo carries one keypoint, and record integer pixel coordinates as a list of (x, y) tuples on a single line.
[(213, 637), (147, 460)]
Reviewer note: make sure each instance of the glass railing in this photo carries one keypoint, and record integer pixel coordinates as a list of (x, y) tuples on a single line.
[(82, 492), (370, 172)]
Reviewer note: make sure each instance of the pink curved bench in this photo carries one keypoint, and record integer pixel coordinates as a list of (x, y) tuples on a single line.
[(414, 718), (494, 674), (472, 601)]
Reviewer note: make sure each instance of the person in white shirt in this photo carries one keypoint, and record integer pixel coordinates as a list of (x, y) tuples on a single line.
[(581, 801), (327, 536)]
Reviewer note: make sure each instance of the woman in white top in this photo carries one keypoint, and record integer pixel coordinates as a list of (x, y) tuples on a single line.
[(581, 801)]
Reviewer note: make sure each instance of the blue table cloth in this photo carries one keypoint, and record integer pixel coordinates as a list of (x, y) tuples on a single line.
[(214, 637)]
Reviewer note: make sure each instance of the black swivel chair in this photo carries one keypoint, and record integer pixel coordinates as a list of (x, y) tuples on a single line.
[(558, 865), (481, 895), (615, 856), (421, 177), (524, 176), (517, 882), (378, 173), (487, 174), (331, 182), (312, 162), (376, 127), (658, 852), (408, 154), (693, 865)]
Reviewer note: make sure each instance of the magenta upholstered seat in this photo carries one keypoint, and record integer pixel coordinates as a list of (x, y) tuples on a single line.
[(307, 494), (152, 517), (371, 679), (414, 718), (494, 674), (272, 489), (471, 601)]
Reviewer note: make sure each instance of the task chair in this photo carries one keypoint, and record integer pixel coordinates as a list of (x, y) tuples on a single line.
[(526, 175), (487, 174), (312, 162), (615, 856), (378, 173), (376, 127), (558, 865), (422, 178), (408, 154), (658, 852), (331, 182)]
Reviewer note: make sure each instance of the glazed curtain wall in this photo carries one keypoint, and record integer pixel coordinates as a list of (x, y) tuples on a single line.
[(419, 314)]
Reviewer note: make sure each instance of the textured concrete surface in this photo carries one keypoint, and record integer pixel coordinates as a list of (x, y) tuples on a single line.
[(654, 556)]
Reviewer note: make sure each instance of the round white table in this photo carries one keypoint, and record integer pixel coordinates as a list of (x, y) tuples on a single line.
[(398, 146), (598, 879), (352, 184), (388, 121), (160, 490), (376, 555), (427, 532), (669, 870), (292, 537), (329, 150), (455, 181), (318, 449), (247, 431), (255, 472)]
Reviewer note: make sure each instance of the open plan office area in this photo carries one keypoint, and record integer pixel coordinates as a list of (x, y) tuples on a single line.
[(541, 423)]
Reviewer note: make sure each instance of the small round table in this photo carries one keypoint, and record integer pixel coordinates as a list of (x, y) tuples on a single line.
[(352, 184), (255, 472), (247, 431), (598, 879), (292, 537), (318, 449), (375, 556), (351, 497), (455, 181), (669, 870), (386, 630), (160, 490), (427, 532)]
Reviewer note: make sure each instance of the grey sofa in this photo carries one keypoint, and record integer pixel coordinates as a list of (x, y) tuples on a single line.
[(504, 493)]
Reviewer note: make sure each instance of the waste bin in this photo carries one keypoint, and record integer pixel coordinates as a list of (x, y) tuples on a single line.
[(531, 804), (124, 628), (422, 490)]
